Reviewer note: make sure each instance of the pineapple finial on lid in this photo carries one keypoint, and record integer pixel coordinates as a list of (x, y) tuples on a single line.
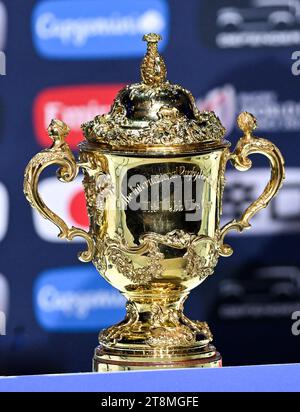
[(153, 68)]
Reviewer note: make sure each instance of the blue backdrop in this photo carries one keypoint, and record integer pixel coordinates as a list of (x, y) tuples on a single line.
[(67, 59)]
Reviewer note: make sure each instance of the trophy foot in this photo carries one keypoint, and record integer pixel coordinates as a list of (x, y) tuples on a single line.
[(133, 358), (154, 335)]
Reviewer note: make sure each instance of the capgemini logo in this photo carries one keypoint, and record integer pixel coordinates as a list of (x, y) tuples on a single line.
[(75, 299), (96, 28), (74, 303)]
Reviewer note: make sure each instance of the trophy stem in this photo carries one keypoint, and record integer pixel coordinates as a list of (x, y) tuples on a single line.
[(155, 334)]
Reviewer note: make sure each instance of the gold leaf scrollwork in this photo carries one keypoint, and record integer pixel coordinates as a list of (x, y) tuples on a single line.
[(119, 254), (170, 127), (58, 154), (116, 333), (198, 265), (165, 327)]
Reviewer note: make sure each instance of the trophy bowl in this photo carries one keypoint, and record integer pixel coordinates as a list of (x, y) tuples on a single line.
[(154, 175)]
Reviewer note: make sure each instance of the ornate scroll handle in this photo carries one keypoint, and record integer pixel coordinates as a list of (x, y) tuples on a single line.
[(246, 146), (60, 154)]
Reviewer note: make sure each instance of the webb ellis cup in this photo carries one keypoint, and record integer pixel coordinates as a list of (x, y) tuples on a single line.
[(153, 175)]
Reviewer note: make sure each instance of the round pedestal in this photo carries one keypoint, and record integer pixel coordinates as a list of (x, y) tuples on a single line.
[(134, 357)]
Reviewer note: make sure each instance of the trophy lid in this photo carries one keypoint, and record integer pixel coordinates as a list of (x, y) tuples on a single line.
[(155, 116)]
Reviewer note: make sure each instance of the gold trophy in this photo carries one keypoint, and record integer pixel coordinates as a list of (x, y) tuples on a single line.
[(153, 172)]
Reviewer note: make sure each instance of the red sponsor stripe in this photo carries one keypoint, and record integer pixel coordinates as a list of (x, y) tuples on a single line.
[(77, 209), (72, 104)]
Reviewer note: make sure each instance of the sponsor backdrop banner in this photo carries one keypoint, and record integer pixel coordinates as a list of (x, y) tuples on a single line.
[(67, 59)]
